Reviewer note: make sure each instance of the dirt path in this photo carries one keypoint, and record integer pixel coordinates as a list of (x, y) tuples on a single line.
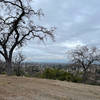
[(14, 88)]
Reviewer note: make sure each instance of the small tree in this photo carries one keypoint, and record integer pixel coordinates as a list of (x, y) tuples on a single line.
[(85, 56), (17, 27), (17, 61), (19, 58)]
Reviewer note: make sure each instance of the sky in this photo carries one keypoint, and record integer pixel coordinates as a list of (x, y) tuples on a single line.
[(77, 22)]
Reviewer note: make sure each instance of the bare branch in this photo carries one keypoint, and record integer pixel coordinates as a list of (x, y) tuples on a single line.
[(17, 26)]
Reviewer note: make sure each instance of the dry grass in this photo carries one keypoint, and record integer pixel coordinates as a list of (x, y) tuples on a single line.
[(14, 88)]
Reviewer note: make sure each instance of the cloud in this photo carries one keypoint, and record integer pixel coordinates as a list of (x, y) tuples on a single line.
[(72, 44), (77, 23)]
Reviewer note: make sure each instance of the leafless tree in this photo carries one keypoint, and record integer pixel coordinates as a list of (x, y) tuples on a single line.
[(17, 27), (17, 63), (18, 58), (85, 56)]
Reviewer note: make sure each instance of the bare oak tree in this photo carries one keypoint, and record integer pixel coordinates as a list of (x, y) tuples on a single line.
[(17, 27), (84, 57)]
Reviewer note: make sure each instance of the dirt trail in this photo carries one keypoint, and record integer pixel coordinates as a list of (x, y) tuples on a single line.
[(14, 88)]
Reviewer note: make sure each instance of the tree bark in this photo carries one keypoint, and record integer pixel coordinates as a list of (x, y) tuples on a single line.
[(9, 68), (84, 76)]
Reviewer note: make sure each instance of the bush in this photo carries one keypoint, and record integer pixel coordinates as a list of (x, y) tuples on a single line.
[(77, 79), (49, 73), (59, 74), (3, 73), (18, 71)]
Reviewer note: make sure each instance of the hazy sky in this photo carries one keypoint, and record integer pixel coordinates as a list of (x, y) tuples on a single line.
[(77, 23)]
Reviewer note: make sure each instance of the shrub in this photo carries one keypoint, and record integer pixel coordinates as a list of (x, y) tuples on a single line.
[(77, 79), (59, 74), (18, 71), (49, 73), (3, 73)]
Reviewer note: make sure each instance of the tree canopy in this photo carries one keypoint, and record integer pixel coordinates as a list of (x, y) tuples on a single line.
[(17, 26)]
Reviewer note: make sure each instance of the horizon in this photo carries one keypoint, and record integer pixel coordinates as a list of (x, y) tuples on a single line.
[(77, 24)]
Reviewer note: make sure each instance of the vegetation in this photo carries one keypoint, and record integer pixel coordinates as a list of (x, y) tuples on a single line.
[(59, 74), (17, 27), (55, 72), (84, 57)]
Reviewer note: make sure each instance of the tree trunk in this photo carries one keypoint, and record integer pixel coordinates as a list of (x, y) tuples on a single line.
[(18, 70), (84, 76), (9, 67)]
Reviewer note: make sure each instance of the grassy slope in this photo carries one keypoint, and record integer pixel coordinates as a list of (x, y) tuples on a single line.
[(14, 88)]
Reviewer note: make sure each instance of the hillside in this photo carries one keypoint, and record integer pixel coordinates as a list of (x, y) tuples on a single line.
[(14, 88)]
